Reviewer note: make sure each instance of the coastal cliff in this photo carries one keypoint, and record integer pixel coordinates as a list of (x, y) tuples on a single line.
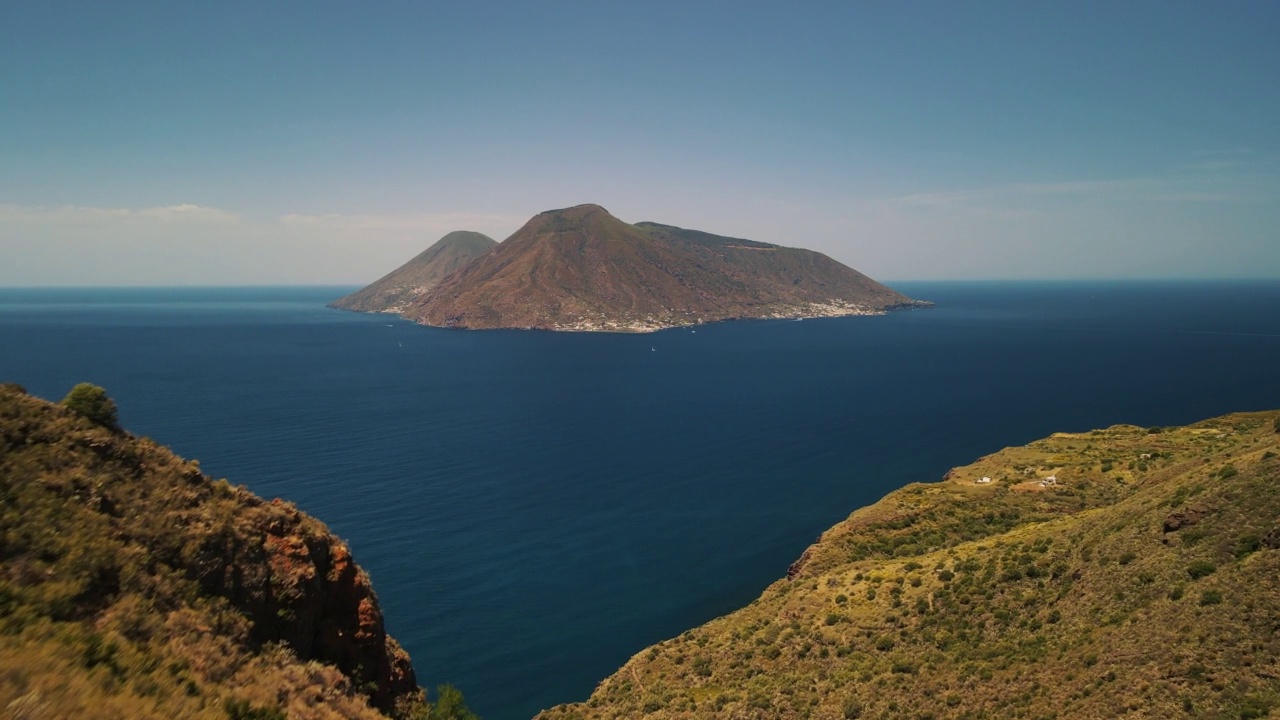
[(134, 586), (1120, 572)]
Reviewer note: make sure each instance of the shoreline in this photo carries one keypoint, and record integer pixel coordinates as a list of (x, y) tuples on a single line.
[(812, 311)]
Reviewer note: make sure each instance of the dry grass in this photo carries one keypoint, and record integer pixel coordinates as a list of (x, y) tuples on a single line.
[(1146, 583), (132, 586)]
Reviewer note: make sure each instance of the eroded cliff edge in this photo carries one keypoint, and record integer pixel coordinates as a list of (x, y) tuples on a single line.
[(134, 586)]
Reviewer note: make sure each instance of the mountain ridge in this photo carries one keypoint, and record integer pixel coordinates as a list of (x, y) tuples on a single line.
[(394, 291)]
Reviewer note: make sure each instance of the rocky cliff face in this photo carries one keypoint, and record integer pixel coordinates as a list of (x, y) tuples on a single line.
[(298, 584), (581, 268), (132, 585)]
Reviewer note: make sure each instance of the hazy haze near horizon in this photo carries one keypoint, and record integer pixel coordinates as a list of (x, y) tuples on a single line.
[(323, 143)]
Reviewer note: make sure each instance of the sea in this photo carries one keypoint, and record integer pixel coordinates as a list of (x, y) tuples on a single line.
[(534, 508)]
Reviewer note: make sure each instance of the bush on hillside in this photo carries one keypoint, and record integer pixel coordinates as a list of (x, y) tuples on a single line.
[(93, 403)]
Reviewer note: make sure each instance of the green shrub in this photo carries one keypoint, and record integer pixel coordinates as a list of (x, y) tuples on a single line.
[(1011, 574), (242, 710), (702, 667), (1200, 568), (1247, 545), (1211, 597), (92, 402), (1255, 706), (449, 705), (1194, 535)]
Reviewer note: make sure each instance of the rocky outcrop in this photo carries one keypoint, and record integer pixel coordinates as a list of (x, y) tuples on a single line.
[(299, 585), (130, 548)]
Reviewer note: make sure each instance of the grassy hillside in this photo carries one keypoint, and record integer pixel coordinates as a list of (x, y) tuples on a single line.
[(132, 586), (1144, 581)]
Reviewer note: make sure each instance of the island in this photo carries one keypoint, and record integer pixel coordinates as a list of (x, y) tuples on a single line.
[(582, 269)]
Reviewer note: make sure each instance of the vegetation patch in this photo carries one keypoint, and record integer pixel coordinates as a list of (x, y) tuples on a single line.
[(133, 586), (1148, 589)]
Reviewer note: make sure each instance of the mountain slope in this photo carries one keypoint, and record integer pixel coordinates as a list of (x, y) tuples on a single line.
[(581, 268), (1143, 581), (133, 586), (396, 289)]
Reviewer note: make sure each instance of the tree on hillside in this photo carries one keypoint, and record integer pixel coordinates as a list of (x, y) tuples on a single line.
[(93, 403), (449, 705)]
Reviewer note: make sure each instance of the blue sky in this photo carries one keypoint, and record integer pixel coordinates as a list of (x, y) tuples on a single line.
[(230, 143)]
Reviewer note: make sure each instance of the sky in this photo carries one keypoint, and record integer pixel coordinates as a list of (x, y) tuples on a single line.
[(326, 143)]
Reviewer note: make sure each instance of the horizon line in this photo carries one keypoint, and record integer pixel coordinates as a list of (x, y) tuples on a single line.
[(320, 285)]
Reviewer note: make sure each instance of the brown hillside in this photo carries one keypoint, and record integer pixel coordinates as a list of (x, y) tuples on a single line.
[(581, 268), (133, 586), (394, 291)]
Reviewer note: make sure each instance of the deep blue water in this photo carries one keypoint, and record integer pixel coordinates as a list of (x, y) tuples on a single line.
[(535, 507)]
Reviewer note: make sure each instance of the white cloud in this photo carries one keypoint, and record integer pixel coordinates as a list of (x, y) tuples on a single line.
[(1187, 223), (195, 244), (423, 223), (1169, 189), (1182, 223), (80, 215)]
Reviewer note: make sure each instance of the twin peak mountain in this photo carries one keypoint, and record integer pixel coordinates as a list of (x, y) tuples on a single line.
[(581, 268)]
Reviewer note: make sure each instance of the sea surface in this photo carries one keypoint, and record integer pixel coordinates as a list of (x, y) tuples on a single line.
[(536, 507)]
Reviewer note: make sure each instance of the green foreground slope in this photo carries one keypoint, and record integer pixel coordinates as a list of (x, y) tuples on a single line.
[(1143, 581), (132, 586)]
